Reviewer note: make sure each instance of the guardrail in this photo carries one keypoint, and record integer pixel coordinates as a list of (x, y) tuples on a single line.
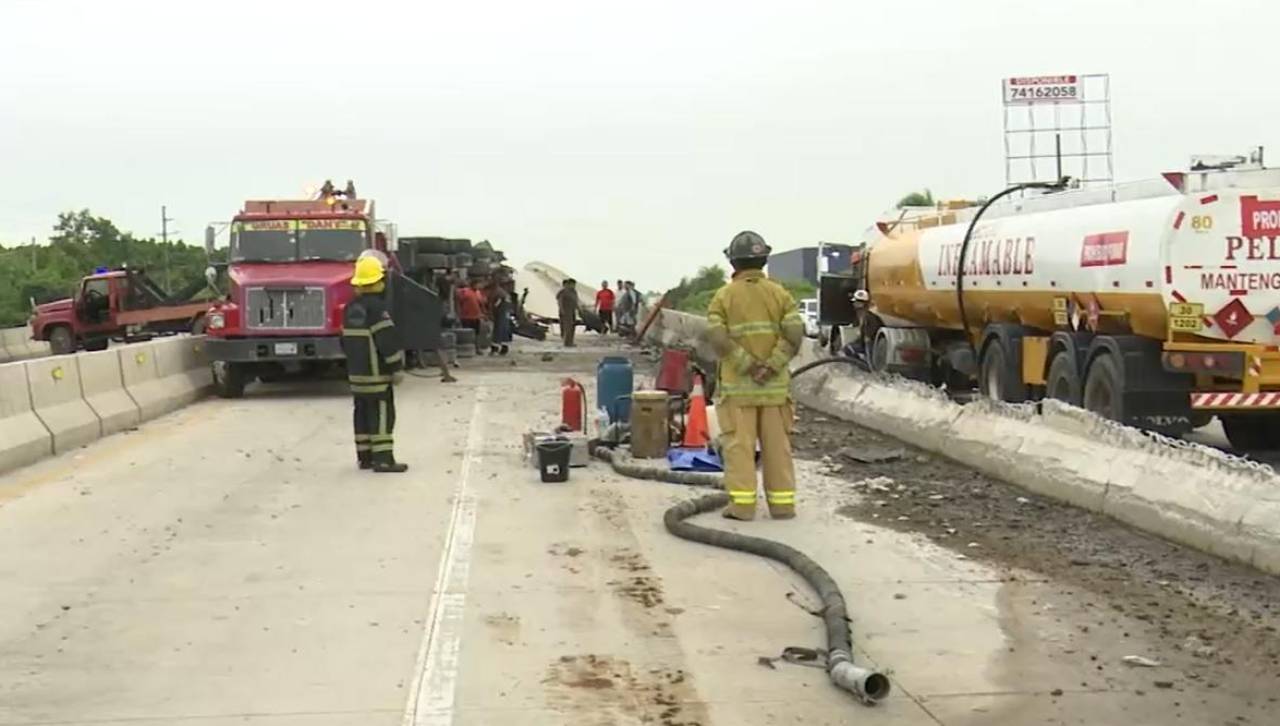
[(16, 344), (55, 404)]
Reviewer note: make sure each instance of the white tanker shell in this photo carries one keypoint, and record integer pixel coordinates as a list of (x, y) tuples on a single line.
[(1220, 250)]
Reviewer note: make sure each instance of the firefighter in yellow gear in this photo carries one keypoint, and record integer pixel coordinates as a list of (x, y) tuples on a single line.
[(756, 328)]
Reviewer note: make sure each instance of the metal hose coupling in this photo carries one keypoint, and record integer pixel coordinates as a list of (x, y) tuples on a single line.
[(868, 685)]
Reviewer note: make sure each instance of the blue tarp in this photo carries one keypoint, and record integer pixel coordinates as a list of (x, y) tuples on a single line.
[(694, 460)]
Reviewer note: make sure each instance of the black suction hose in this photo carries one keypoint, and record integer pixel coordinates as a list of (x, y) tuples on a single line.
[(968, 235), (869, 686)]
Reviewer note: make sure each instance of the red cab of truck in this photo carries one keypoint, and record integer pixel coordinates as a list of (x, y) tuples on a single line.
[(288, 272)]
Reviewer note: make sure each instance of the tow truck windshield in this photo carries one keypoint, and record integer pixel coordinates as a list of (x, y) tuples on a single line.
[(289, 241)]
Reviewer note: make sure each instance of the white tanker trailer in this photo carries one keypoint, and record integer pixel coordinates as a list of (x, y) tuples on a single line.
[(1154, 304)]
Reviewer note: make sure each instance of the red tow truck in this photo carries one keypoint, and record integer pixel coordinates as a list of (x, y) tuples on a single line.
[(123, 305), (288, 278)]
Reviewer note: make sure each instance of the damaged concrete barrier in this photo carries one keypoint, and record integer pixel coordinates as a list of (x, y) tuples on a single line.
[(23, 437), (103, 389), (1186, 493), (57, 399), (671, 328)]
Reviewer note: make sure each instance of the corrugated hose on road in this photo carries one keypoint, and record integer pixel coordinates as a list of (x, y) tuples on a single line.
[(868, 685)]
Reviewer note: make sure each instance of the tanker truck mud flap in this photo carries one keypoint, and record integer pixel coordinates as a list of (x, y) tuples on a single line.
[(1126, 382)]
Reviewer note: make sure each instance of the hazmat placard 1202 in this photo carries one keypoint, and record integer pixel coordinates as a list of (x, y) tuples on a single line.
[(1042, 89)]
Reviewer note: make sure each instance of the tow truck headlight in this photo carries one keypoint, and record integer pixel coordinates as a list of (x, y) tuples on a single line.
[(217, 321)]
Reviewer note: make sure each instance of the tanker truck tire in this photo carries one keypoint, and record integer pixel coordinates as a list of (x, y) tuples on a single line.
[(1063, 381), (229, 379), (1103, 389), (1252, 432), (996, 378)]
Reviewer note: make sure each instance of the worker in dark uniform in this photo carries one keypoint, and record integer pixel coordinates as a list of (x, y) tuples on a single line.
[(374, 362)]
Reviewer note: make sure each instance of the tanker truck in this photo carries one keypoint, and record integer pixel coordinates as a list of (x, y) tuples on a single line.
[(1154, 304)]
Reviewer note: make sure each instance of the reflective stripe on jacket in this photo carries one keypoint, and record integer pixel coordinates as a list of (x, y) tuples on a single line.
[(754, 320), (371, 345)]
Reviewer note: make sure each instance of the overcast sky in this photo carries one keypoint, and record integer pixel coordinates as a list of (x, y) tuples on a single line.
[(610, 139)]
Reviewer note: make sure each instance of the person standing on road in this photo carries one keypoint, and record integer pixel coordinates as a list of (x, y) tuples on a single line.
[(375, 359), (502, 309), (756, 329), (567, 300), (470, 307), (604, 306)]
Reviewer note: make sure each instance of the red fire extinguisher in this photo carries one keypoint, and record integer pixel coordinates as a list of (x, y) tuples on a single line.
[(573, 405)]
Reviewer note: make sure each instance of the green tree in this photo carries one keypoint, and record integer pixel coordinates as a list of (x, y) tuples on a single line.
[(917, 199), (693, 295), (696, 291)]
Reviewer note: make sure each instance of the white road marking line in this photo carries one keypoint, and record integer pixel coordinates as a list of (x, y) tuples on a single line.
[(436, 670)]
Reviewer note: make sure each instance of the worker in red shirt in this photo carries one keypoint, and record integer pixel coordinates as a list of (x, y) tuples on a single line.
[(470, 303), (604, 306)]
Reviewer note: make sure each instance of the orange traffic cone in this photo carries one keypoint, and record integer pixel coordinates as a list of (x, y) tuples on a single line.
[(695, 431)]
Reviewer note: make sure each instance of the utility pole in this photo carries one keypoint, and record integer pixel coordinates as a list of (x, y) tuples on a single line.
[(35, 265), (165, 219)]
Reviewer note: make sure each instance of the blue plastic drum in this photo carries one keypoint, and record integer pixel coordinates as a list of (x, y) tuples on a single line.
[(614, 380)]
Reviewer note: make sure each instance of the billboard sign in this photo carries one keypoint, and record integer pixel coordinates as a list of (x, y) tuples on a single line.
[(1043, 89)]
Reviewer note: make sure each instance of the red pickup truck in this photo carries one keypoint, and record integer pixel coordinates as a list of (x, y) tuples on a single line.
[(123, 305)]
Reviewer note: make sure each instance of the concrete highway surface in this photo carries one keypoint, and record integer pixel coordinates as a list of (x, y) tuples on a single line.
[(228, 564)]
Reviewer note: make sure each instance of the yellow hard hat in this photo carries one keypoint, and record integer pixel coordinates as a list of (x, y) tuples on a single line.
[(369, 271)]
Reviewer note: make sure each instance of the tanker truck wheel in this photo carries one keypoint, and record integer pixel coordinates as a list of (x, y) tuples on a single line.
[(996, 379), (1063, 382), (229, 379), (1102, 389)]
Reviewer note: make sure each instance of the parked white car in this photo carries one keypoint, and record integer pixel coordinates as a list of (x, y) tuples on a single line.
[(809, 312)]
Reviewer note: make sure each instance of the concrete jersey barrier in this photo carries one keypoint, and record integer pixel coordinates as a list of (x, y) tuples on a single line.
[(16, 343), (103, 390), (57, 399), (1187, 493), (23, 437), (141, 379), (181, 369), (55, 404)]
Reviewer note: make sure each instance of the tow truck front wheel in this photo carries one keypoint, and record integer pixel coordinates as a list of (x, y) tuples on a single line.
[(62, 341), (229, 379)]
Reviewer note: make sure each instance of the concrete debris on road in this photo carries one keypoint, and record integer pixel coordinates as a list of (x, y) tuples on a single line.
[(1140, 661)]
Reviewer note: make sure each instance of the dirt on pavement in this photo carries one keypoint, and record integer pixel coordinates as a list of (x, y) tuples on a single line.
[(1215, 621)]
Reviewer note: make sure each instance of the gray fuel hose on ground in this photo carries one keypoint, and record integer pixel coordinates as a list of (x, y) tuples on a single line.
[(869, 686)]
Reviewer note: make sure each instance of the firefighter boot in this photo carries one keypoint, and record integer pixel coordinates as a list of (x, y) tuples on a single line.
[(389, 467)]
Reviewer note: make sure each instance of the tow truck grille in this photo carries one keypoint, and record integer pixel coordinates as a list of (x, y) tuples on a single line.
[(284, 308)]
